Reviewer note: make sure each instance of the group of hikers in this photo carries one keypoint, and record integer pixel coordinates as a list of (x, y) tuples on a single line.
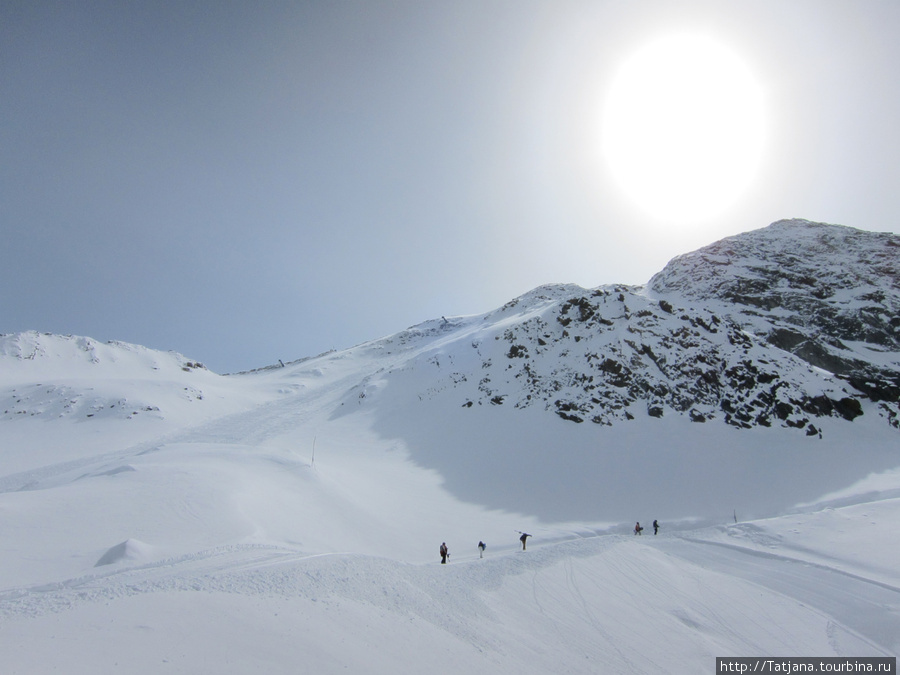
[(638, 529), (445, 552)]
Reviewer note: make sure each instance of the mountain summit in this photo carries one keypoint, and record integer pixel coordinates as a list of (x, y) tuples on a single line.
[(782, 326)]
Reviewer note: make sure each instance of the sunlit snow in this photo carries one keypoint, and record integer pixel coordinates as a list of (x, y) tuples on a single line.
[(156, 517)]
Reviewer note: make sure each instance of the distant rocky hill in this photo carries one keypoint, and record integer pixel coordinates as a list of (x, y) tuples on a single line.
[(777, 327)]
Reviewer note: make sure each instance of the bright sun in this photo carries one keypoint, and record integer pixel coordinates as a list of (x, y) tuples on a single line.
[(683, 128)]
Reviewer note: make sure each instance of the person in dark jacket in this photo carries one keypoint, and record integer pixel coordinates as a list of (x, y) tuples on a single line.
[(655, 527), (523, 538), (444, 553)]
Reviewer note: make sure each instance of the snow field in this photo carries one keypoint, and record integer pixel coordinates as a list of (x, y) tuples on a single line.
[(295, 527), (611, 603)]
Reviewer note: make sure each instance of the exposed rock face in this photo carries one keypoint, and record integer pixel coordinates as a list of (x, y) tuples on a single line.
[(826, 293), (841, 283)]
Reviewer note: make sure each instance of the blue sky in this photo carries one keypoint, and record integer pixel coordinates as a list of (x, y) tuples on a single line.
[(247, 182)]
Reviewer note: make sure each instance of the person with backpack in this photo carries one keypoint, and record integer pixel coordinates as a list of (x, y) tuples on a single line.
[(637, 528), (523, 538), (444, 553), (481, 547), (655, 527)]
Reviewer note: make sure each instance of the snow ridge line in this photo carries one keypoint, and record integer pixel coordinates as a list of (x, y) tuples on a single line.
[(801, 561), (170, 574), (266, 569)]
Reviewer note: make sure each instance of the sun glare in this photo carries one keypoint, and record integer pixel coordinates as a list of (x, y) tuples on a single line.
[(683, 128)]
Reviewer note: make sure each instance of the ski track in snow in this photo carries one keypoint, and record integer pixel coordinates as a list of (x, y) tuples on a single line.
[(250, 427), (868, 606), (450, 596)]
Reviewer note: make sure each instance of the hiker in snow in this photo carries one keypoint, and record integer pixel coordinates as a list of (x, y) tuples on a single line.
[(655, 527), (481, 547), (444, 553), (523, 538), (637, 528)]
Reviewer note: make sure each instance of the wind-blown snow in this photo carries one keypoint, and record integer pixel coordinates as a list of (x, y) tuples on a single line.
[(156, 517)]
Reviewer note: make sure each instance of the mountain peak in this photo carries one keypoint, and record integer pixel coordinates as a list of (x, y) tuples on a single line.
[(779, 326), (838, 282)]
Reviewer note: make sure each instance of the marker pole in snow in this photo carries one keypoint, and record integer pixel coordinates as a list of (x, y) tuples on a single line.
[(312, 462)]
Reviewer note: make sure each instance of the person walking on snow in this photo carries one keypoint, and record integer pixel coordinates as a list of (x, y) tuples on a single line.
[(655, 527), (481, 547), (637, 528), (444, 553), (523, 538)]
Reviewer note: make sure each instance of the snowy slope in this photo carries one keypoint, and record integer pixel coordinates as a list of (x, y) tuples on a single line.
[(83, 384), (157, 517)]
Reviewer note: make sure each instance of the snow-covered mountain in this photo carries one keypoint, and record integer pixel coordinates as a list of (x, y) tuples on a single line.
[(782, 326), (164, 518), (100, 380)]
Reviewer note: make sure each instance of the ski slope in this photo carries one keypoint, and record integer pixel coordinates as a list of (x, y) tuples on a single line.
[(288, 520), (612, 603)]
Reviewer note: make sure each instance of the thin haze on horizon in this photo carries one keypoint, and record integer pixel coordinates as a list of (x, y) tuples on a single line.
[(244, 183)]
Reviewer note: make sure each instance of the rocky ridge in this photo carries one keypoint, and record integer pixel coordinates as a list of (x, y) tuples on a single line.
[(777, 327)]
